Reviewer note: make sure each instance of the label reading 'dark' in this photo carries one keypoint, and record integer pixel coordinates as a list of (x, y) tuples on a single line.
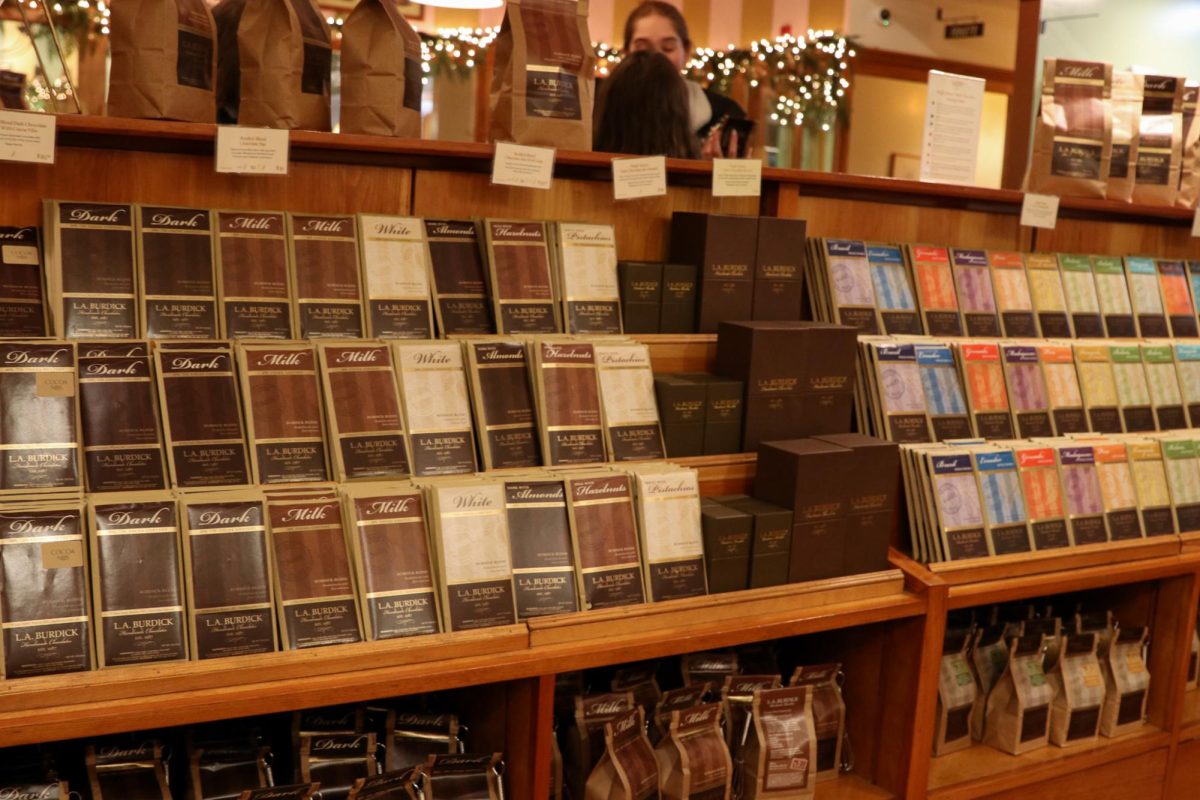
[(326, 277), (22, 312), (92, 274), (606, 540), (39, 442), (175, 260), (252, 275), (122, 446), (202, 418), (362, 402)]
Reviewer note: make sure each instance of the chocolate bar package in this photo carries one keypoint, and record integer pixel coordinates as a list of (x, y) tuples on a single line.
[(1049, 297), (228, 574), (252, 275), (934, 282), (471, 554), (1133, 392), (314, 579), (960, 527), (1098, 383), (723, 249), (90, 267), (1026, 389), (628, 767), (539, 535), (568, 397), (137, 579), (44, 588), (437, 407), (39, 426), (693, 760), (284, 419), (1079, 290), (631, 428), (781, 747), (127, 770), (771, 543), (22, 299), (975, 295), (1187, 367), (1063, 388), (873, 509), (1113, 293), (396, 274), (466, 775), (811, 477), (202, 418), (1183, 478), (1042, 489), (325, 276), (505, 421), (411, 738), (1160, 141), (945, 400), (728, 534), (1177, 297), (1018, 707), (460, 289), (900, 407), (894, 295), (851, 288), (1005, 519), (682, 407), (520, 277), (1162, 380), (641, 295), (390, 544), (336, 761), (680, 287), (175, 279), (1072, 147), (122, 440), (1150, 482), (779, 269), (1082, 493), (668, 505), (362, 407), (1141, 275), (1010, 285), (586, 261), (604, 534), (987, 397)]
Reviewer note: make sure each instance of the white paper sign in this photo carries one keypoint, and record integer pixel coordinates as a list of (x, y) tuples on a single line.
[(520, 165), (252, 151), (27, 136), (1196, 223), (953, 111), (737, 177), (1039, 210), (639, 177)]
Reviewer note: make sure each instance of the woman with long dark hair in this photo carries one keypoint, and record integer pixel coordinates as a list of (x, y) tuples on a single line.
[(643, 109)]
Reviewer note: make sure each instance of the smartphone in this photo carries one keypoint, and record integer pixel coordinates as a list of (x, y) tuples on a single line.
[(744, 128)]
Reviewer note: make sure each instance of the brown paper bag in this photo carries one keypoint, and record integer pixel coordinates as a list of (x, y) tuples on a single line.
[(988, 657), (1128, 683), (627, 770), (693, 761), (1189, 184), (1160, 141), (781, 752), (1079, 691), (956, 695), (544, 86), (1018, 708), (583, 743), (164, 60), (381, 72), (829, 714), (1127, 116), (1072, 145), (285, 54)]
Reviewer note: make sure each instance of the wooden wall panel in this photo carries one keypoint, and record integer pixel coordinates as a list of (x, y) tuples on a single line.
[(1141, 776), (642, 225), (1119, 239), (182, 179), (1186, 776)]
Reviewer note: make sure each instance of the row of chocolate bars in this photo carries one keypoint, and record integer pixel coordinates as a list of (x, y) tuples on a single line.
[(974, 499), (921, 389), (286, 412), (380, 751), (920, 289)]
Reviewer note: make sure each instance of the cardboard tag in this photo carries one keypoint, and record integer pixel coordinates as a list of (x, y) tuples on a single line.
[(639, 177), (526, 167), (252, 151), (59, 555), (27, 136), (1039, 210), (55, 384), (737, 177), (19, 255)]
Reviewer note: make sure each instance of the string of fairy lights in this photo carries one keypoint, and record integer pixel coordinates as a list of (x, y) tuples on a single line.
[(807, 77)]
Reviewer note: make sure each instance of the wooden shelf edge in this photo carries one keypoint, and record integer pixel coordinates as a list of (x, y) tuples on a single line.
[(1190, 541), (1043, 765), (851, 786), (976, 570)]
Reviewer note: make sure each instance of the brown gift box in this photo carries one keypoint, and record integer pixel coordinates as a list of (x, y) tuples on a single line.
[(779, 269), (681, 410), (874, 505), (641, 295), (727, 541), (772, 541), (722, 247), (677, 313)]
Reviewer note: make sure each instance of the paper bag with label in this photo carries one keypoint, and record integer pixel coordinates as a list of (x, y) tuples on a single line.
[(164, 60), (284, 53), (381, 72)]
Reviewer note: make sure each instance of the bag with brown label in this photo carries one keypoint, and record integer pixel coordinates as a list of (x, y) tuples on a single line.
[(781, 752), (583, 743), (829, 714), (1127, 117), (285, 56), (1160, 141), (737, 696), (673, 700), (164, 60), (642, 680), (461, 777), (123, 770), (1128, 683), (412, 737), (1189, 182), (956, 695), (543, 86), (988, 657), (693, 761), (1072, 144), (1018, 708), (1079, 691), (222, 769), (381, 72), (708, 668), (336, 761), (628, 769)]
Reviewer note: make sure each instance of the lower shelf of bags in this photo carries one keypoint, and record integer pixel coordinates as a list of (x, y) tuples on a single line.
[(851, 787), (982, 771)]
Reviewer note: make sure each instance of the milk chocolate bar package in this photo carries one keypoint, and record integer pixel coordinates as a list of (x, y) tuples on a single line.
[(90, 269), (956, 696), (284, 419), (39, 429), (325, 275), (314, 579), (631, 427), (781, 748), (122, 439), (202, 418), (1018, 707), (471, 553), (362, 406), (122, 768), (1072, 146), (459, 276), (543, 559), (22, 300), (505, 418), (228, 574), (390, 543), (164, 61), (175, 273), (44, 588), (568, 397), (1126, 124), (284, 58), (604, 534), (252, 275), (584, 738), (381, 73), (137, 578), (1160, 141), (520, 277), (437, 407), (586, 262), (722, 247), (628, 767), (396, 275), (668, 502), (693, 760)]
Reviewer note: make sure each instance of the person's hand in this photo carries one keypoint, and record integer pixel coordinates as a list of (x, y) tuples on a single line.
[(712, 145)]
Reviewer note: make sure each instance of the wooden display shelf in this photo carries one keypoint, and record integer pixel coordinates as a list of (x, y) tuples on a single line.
[(976, 570), (680, 352), (851, 787), (1190, 725), (1190, 541), (982, 771), (731, 474)]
